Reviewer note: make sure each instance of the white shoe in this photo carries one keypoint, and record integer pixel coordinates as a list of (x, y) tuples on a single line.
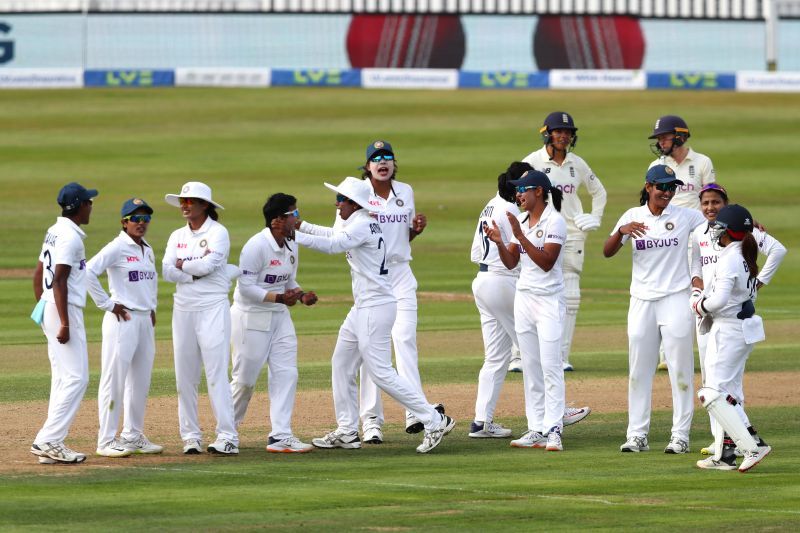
[(531, 439), (568, 367), (515, 365), (288, 445), (142, 445), (338, 439), (223, 447), (573, 415), (554, 443), (373, 435), (192, 447), (710, 464), (113, 449), (488, 430), (413, 424), (56, 452), (433, 438), (751, 459), (635, 444), (676, 446)]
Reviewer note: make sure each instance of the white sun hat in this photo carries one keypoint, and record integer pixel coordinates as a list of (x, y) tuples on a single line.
[(192, 189), (358, 191)]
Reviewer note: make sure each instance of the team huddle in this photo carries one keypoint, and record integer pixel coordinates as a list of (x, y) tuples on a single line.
[(529, 248)]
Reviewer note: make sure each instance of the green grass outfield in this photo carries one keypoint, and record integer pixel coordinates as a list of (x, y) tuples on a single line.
[(450, 146)]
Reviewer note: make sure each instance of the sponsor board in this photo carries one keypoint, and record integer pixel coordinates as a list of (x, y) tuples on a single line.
[(503, 80), (129, 78), (317, 77), (409, 78), (691, 80), (597, 79), (40, 78), (774, 82), (223, 77)]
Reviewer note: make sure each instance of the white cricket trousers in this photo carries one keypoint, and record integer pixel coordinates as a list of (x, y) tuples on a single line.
[(494, 296), (258, 339), (69, 373), (404, 338), (202, 339), (666, 321), (365, 337), (126, 367), (725, 359), (538, 322)]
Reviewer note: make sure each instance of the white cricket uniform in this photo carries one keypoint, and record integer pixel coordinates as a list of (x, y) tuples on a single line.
[(128, 346), (539, 310), (365, 335), (695, 171), (201, 324), (494, 288), (728, 344), (568, 178), (69, 363), (659, 312), (396, 220), (263, 332)]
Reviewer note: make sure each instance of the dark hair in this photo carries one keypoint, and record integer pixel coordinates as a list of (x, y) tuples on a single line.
[(514, 171), (556, 194), (750, 253), (367, 174), (211, 211), (721, 192), (644, 196), (276, 205)]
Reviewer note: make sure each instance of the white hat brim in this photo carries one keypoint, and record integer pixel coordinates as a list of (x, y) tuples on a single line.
[(356, 196), (175, 200)]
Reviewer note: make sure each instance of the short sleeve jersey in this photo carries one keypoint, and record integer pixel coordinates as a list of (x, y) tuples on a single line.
[(396, 218), (694, 171), (132, 275), (485, 251), (63, 245), (266, 267), (551, 228)]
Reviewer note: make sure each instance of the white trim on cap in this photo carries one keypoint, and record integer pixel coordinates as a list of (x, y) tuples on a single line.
[(357, 190), (192, 189)]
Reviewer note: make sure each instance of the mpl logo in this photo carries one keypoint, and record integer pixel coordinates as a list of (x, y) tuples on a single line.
[(275, 262), (6, 47), (132, 259)]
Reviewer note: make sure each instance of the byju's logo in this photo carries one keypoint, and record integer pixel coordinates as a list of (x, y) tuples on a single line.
[(643, 244), (6, 47)]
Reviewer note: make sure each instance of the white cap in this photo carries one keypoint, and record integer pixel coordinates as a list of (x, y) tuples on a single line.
[(192, 189), (358, 191)]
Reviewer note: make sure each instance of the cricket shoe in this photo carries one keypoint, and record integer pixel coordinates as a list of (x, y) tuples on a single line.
[(223, 447), (725, 463), (338, 439), (373, 435), (531, 439), (751, 459), (192, 447), (554, 443), (676, 446), (141, 445), (433, 438), (56, 452), (515, 365), (635, 444), (288, 445), (488, 430), (568, 367), (113, 449), (573, 415), (413, 424), (711, 448)]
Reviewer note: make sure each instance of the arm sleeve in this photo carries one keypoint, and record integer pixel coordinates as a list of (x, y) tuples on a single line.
[(250, 262), (696, 218), (219, 246), (95, 268), (775, 252), (708, 174), (314, 229), (624, 219), (168, 269), (339, 242), (723, 285), (597, 191), (67, 251)]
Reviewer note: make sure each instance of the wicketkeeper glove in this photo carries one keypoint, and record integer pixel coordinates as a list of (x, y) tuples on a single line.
[(587, 222), (696, 303)]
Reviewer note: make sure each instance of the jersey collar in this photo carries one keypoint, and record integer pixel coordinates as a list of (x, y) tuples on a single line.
[(70, 224), (128, 240)]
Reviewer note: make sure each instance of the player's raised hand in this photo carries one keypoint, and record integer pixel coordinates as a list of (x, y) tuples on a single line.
[(493, 233), (516, 229), (634, 229)]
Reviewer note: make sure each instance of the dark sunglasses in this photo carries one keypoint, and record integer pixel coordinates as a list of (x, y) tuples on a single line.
[(341, 198), (382, 157), (138, 218), (667, 187)]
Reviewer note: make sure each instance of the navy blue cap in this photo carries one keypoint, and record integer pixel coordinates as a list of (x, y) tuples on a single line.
[(670, 124), (661, 174), (378, 146), (134, 204), (532, 178), (72, 195)]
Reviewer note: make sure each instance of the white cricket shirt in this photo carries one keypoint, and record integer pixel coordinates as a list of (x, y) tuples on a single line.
[(266, 267), (731, 285), (132, 275), (396, 219), (694, 171), (485, 251), (205, 255), (361, 238), (63, 245), (551, 228), (660, 265), (568, 177)]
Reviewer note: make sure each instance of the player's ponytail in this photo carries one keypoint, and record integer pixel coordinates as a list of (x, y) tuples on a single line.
[(750, 253), (514, 171), (557, 195), (211, 212), (644, 196)]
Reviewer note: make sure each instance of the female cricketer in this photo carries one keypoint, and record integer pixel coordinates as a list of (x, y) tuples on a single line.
[(727, 303), (365, 336), (60, 281), (195, 260), (129, 321), (262, 331), (659, 235), (539, 233)]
